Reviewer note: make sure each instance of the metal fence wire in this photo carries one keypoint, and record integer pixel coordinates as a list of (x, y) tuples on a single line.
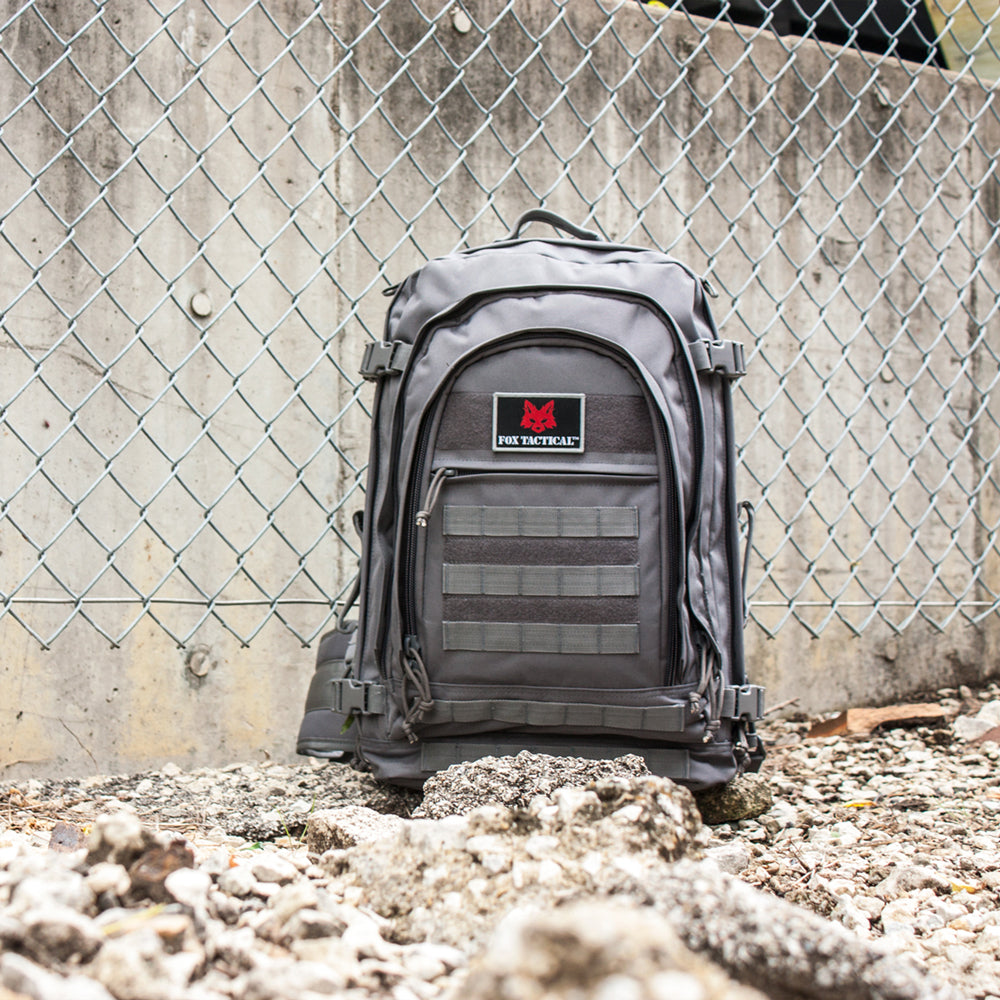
[(201, 201)]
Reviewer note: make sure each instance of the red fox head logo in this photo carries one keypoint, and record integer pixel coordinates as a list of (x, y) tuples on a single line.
[(539, 419)]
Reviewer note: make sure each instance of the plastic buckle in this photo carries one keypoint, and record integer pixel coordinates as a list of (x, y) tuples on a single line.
[(351, 696), (719, 357), (381, 358), (743, 702)]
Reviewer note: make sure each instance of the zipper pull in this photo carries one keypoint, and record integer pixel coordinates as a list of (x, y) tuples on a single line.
[(415, 673), (433, 491)]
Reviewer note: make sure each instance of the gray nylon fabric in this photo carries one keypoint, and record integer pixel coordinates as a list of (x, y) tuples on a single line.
[(498, 588)]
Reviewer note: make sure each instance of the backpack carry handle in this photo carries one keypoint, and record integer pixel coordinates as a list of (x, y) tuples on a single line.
[(556, 221)]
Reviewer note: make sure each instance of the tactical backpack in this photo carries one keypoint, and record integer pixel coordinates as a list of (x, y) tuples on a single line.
[(550, 552)]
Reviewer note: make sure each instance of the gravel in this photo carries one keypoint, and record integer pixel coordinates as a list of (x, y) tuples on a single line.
[(873, 871)]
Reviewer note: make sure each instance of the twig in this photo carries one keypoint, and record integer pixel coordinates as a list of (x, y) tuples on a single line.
[(780, 705)]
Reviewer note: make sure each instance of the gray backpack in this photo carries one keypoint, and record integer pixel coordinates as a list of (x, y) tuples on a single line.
[(550, 547)]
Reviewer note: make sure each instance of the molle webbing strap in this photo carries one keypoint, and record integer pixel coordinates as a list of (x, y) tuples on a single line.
[(540, 637), (436, 755), (542, 522), (541, 581), (547, 714)]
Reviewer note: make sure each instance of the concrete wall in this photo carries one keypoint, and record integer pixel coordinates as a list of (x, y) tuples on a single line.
[(846, 214)]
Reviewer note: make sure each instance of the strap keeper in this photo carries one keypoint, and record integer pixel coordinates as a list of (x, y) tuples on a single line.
[(381, 358), (357, 697), (740, 702), (719, 357)]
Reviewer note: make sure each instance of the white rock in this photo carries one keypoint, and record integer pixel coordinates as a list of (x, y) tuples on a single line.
[(238, 881), (331, 829), (56, 887), (842, 834), (971, 727), (22, 976), (899, 916), (732, 857), (272, 867), (851, 916), (60, 933), (292, 898), (189, 887), (108, 877)]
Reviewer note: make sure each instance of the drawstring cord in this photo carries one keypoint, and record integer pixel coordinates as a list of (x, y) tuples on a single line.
[(433, 491), (710, 687), (415, 673)]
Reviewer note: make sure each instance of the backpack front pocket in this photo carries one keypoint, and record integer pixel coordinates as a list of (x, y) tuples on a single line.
[(545, 580)]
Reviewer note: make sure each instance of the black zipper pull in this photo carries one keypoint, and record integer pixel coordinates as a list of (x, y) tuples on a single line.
[(433, 492)]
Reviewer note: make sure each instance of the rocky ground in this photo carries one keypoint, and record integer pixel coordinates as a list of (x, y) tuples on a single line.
[(872, 872)]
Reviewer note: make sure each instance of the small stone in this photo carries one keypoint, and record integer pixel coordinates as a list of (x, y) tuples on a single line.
[(26, 979), (189, 887), (58, 933), (239, 881), (291, 898), (576, 805), (118, 838), (66, 838), (307, 924), (745, 797), (274, 868), (909, 879), (331, 829), (899, 916), (150, 870), (54, 887), (108, 877), (839, 834), (733, 857), (851, 916), (971, 727)]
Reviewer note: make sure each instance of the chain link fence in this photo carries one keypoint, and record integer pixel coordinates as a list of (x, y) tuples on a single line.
[(201, 202)]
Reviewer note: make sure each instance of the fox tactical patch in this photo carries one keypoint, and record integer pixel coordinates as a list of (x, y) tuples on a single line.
[(551, 422)]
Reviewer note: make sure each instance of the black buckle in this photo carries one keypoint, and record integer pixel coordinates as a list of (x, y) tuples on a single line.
[(746, 701), (381, 358), (719, 357), (361, 697)]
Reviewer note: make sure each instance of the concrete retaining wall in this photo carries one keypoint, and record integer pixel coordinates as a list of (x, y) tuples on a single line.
[(851, 232)]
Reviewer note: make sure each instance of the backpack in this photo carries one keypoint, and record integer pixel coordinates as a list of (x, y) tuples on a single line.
[(550, 542)]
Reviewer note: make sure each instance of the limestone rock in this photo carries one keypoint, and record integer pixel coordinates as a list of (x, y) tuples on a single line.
[(450, 880), (593, 951), (26, 979), (331, 829), (515, 781), (119, 838)]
